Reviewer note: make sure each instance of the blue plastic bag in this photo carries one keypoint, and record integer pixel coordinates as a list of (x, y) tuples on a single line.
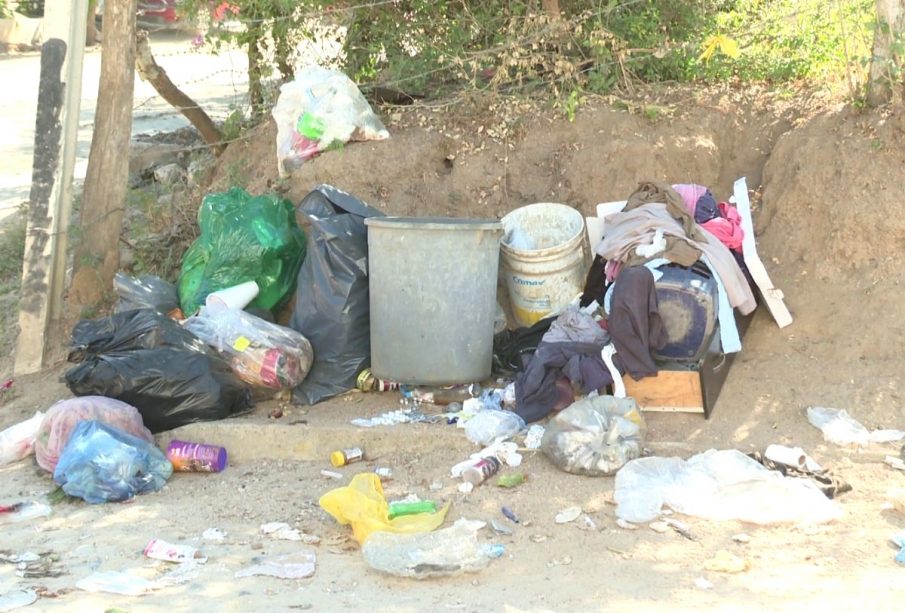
[(101, 463)]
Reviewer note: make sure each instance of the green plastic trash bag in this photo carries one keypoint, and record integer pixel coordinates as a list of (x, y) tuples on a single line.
[(243, 238)]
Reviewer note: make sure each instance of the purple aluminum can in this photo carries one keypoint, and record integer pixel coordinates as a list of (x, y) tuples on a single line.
[(196, 457)]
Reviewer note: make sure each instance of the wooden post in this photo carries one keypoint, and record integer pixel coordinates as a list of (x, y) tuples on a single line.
[(49, 213)]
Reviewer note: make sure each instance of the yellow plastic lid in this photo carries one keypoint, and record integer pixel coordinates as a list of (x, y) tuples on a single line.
[(337, 458)]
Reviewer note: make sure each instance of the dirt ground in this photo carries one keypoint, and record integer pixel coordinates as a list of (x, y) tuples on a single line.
[(827, 202)]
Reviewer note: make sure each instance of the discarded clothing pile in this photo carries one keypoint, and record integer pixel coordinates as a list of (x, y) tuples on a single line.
[(668, 274)]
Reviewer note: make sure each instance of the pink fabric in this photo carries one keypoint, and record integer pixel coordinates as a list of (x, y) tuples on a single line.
[(728, 227), (690, 193)]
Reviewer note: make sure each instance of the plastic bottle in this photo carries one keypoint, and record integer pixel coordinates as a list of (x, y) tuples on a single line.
[(443, 395), (398, 509), (342, 457), (367, 382), (482, 470)]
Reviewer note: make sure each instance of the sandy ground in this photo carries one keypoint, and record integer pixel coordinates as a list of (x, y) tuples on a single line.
[(830, 227)]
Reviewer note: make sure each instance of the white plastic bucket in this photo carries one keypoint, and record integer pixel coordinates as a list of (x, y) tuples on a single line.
[(549, 275)]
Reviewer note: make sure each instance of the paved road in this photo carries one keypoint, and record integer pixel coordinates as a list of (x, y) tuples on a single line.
[(217, 82)]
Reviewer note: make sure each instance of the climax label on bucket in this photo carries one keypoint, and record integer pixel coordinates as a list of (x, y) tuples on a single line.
[(520, 281)]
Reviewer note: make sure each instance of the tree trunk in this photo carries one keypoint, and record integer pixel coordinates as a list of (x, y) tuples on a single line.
[(107, 177), (91, 33), (255, 74), (157, 77), (886, 64), (551, 7)]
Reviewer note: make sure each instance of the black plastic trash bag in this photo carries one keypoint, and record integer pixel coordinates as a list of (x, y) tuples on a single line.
[(147, 360), (147, 292), (332, 307)]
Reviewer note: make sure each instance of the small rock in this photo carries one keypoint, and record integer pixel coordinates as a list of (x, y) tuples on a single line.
[(703, 583), (625, 525), (659, 526), (169, 174), (567, 515), (741, 538), (725, 562)]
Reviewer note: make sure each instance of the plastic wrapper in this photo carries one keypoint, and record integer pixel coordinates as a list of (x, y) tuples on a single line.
[(362, 505), (318, 110), (332, 304), (842, 429), (103, 464), (18, 441), (718, 485), (261, 353), (243, 238), (62, 418), (147, 292), (443, 553), (490, 424), (595, 436), (149, 361)]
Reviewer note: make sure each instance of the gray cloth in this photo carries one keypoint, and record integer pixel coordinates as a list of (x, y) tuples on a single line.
[(574, 326)]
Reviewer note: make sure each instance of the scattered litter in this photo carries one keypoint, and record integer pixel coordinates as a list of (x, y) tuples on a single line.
[(563, 561), (18, 441), (741, 538), (281, 530), (331, 474), (680, 527), (297, 565), (718, 485), (589, 523), (842, 429), (538, 538), (436, 486), (895, 462), (703, 583), (196, 457), (31, 565), (115, 582), (661, 527), (509, 514), (17, 598), (465, 487), (500, 527), (23, 511), (391, 418), (567, 515), (792, 456), (384, 472), (534, 436), (511, 480), (446, 552), (213, 534), (491, 425), (158, 549), (725, 562), (481, 470), (350, 455), (400, 508), (625, 525)]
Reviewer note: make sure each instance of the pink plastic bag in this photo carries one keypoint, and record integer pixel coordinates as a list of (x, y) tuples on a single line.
[(62, 418)]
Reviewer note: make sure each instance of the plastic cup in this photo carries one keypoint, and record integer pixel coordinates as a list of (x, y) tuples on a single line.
[(196, 457), (235, 297)]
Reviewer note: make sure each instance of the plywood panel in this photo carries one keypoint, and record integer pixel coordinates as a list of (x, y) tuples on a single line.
[(671, 390)]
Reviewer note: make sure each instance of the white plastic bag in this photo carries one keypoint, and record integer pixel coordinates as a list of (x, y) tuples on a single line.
[(319, 109), (261, 353), (490, 424), (18, 441), (718, 485), (842, 429)]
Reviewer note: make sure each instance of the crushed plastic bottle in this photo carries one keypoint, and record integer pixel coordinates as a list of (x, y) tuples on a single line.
[(442, 553), (23, 511)]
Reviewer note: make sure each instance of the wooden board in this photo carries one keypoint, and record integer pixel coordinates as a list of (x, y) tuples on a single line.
[(677, 391), (772, 296)]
